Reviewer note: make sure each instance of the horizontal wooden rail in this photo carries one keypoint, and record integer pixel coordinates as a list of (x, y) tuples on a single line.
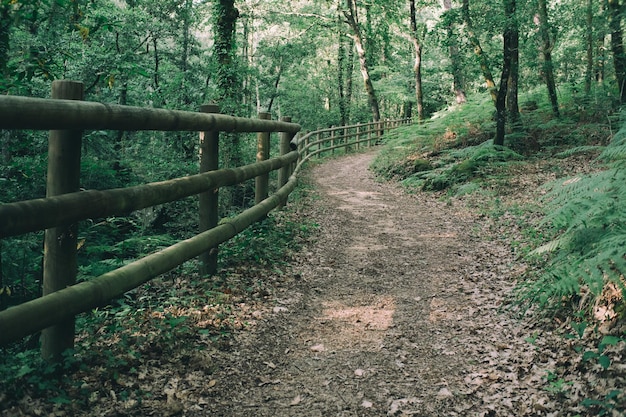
[(35, 315), (60, 210), (48, 114), (42, 213), (304, 142)]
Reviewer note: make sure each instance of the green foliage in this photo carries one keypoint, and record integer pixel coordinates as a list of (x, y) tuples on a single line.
[(264, 243), (587, 254), (613, 401), (460, 166)]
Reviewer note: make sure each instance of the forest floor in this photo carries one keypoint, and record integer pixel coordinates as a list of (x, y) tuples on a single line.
[(396, 306), (400, 309), (396, 312)]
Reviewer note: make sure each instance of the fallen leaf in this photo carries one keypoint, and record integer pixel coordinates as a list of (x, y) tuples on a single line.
[(212, 383), (359, 372), (367, 404), (444, 393), (318, 348), (295, 401)]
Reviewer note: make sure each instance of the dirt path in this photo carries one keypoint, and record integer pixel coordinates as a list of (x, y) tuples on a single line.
[(393, 311)]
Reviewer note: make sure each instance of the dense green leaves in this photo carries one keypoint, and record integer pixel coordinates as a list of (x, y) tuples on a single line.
[(588, 253)]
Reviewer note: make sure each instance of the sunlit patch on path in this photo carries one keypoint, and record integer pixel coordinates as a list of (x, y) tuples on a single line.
[(354, 327)]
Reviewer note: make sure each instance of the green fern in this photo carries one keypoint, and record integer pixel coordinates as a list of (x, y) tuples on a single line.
[(590, 250), (579, 150), (461, 165)]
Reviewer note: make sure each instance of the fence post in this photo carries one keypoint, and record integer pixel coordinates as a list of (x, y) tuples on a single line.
[(209, 201), (369, 134), (59, 261), (358, 135), (332, 140), (380, 130), (319, 144), (285, 148), (263, 152)]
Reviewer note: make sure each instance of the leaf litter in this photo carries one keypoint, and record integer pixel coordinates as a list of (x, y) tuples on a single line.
[(398, 306)]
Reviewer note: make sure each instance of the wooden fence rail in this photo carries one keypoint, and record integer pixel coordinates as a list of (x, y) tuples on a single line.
[(54, 312)]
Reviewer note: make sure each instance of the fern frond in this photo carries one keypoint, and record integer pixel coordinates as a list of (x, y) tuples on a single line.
[(548, 247), (579, 150), (590, 211)]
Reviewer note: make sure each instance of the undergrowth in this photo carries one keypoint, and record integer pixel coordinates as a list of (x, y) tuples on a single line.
[(585, 263), (174, 317), (571, 243)]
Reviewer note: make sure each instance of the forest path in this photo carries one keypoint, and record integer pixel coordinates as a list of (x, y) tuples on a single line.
[(393, 311)]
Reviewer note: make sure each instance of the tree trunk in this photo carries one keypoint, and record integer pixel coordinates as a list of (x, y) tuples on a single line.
[(349, 79), (478, 50), (546, 49), (417, 64), (617, 47), (184, 58), (453, 49), (589, 44), (360, 49), (512, 102), (5, 37), (279, 73), (341, 66), (225, 16), (509, 10)]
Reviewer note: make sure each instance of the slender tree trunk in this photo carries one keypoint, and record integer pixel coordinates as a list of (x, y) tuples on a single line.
[(600, 48), (617, 47), (589, 44), (351, 17), (512, 96), (547, 44), (5, 32), (509, 10), (453, 49), (478, 50), (157, 62), (248, 100), (279, 73), (184, 58), (5, 37), (341, 66), (417, 64), (349, 79)]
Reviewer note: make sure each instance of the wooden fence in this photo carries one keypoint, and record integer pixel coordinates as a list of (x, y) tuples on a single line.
[(66, 116)]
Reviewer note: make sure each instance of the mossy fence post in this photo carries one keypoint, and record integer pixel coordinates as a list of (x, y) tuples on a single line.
[(262, 153), (285, 147), (59, 261), (209, 201)]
